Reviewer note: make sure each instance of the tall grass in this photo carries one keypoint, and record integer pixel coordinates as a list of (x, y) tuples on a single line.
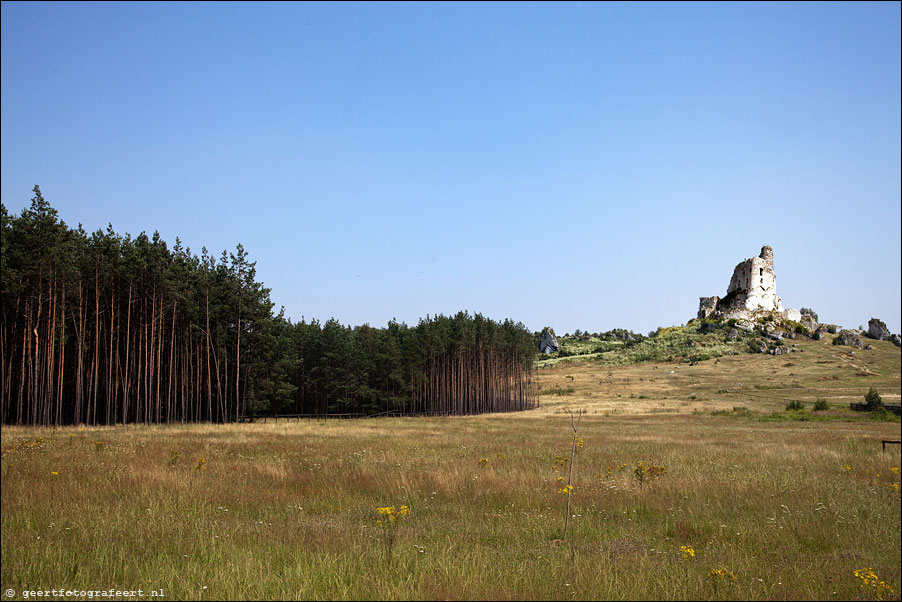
[(287, 510)]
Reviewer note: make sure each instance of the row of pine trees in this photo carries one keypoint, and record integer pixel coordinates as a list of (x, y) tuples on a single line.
[(101, 328)]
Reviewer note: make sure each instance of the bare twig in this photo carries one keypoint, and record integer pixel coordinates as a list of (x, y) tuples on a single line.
[(575, 427)]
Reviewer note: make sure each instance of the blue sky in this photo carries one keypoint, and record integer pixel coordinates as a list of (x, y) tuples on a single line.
[(577, 165)]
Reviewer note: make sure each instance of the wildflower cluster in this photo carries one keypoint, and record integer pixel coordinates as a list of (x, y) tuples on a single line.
[(721, 575), (868, 580), (482, 462), (99, 446), (560, 462), (173, 458), (644, 472), (24, 445), (889, 479), (388, 519), (610, 470), (201, 465), (389, 514), (687, 552), (562, 488)]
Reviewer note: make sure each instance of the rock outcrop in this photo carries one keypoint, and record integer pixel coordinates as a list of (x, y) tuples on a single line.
[(847, 337), (792, 314), (878, 330), (752, 290), (809, 322), (548, 342)]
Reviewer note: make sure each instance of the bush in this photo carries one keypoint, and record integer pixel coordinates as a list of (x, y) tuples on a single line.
[(795, 406), (873, 399), (821, 405), (882, 414), (809, 312), (709, 326)]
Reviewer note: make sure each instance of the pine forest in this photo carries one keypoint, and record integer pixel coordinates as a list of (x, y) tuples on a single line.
[(99, 328)]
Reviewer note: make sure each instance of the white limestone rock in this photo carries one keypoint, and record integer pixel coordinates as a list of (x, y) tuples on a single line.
[(548, 343), (792, 314), (877, 330)]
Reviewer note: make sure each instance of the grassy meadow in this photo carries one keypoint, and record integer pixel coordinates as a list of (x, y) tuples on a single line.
[(746, 500)]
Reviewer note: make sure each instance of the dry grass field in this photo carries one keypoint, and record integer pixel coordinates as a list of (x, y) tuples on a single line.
[(819, 370), (757, 503)]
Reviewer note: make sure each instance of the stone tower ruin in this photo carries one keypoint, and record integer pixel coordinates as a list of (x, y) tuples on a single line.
[(752, 289)]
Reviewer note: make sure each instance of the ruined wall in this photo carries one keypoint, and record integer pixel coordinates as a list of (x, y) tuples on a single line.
[(752, 288), (707, 306), (755, 278)]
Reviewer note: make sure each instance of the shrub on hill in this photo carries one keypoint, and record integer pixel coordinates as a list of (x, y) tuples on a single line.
[(795, 406), (873, 399)]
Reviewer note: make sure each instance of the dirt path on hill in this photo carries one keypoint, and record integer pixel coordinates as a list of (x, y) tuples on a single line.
[(864, 369)]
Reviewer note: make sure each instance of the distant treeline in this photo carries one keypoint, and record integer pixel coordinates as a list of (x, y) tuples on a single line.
[(101, 329), (453, 365)]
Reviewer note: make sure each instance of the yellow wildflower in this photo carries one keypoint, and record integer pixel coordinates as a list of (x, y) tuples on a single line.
[(869, 580), (722, 574)]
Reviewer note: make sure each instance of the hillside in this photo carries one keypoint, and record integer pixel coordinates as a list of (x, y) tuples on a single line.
[(690, 368)]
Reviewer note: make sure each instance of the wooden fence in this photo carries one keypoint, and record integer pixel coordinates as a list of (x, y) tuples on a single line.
[(806, 395), (863, 407)]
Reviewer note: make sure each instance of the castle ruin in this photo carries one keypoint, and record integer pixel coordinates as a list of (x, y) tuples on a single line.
[(752, 290)]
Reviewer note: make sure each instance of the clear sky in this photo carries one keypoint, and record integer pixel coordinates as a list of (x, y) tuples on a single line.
[(577, 165)]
